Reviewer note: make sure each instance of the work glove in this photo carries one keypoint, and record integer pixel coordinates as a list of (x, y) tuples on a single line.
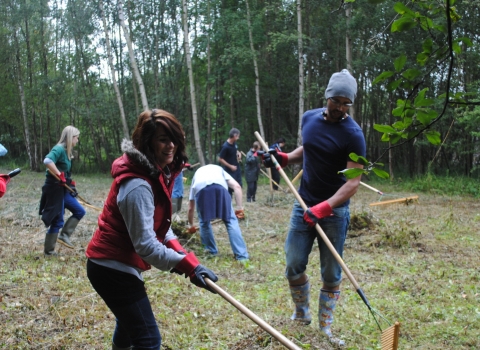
[(175, 245), (313, 214), (188, 166), (191, 230), (61, 177), (240, 214), (73, 186), (197, 278), (282, 158), (6, 178)]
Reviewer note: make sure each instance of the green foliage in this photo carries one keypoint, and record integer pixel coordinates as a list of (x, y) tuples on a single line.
[(368, 167)]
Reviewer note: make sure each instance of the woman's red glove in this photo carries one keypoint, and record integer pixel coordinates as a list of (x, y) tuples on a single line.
[(313, 214)]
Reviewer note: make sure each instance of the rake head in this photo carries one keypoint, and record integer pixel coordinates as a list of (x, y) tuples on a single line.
[(390, 337)]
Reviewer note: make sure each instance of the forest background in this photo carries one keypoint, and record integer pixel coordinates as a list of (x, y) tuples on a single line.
[(253, 65)]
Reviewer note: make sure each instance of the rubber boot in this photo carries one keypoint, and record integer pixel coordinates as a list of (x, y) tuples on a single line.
[(67, 230), (326, 306), (301, 299), (49, 245)]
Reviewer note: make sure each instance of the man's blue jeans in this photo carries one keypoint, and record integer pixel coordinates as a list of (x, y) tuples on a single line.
[(299, 243), (237, 243), (70, 203)]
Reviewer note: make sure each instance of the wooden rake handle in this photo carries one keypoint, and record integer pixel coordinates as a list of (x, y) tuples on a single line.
[(317, 226), (264, 325)]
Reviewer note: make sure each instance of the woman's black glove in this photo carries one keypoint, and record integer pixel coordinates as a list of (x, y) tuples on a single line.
[(197, 277)]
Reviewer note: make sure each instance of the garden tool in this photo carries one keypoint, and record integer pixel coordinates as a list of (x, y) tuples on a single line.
[(264, 325), (337, 256), (88, 205), (14, 172)]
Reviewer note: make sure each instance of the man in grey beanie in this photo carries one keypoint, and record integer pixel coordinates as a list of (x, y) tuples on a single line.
[(329, 136)]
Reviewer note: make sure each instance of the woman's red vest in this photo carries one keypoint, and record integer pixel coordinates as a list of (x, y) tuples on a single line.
[(111, 239)]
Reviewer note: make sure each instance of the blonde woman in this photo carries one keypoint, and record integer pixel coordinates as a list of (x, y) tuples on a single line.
[(55, 197)]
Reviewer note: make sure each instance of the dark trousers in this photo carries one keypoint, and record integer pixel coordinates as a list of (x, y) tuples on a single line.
[(276, 178), (126, 297), (251, 189)]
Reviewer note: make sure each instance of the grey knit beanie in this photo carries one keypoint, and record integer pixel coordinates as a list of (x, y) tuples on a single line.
[(342, 84)]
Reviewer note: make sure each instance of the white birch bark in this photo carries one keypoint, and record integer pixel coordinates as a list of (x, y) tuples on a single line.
[(257, 79), (131, 54), (112, 70), (348, 50)]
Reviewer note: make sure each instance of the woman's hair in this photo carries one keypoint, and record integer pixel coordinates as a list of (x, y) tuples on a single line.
[(280, 140), (66, 139), (147, 123)]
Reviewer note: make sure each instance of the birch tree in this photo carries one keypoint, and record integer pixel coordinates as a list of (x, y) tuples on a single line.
[(131, 53), (112, 70), (188, 58), (255, 66), (301, 87)]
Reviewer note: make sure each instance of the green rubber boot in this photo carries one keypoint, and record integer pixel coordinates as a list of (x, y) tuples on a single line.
[(326, 306), (67, 230), (49, 245), (301, 299)]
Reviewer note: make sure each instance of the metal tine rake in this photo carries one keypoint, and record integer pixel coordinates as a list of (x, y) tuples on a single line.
[(390, 334)]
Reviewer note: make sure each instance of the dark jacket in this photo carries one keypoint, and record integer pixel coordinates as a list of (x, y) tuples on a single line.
[(252, 167)]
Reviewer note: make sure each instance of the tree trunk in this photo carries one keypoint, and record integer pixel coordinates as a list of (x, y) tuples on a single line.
[(131, 54), (196, 132), (21, 91), (348, 49), (112, 70), (301, 87), (257, 79)]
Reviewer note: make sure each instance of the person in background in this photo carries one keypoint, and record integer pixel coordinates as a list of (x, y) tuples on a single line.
[(229, 156), (277, 146), (134, 230), (252, 170), (329, 135), (55, 196), (209, 191), (177, 194)]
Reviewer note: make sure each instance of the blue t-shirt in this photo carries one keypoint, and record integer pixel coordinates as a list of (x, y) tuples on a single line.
[(229, 154), (326, 147)]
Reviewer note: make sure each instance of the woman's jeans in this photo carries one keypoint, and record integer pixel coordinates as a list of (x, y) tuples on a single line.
[(234, 234), (300, 240), (70, 203), (126, 297)]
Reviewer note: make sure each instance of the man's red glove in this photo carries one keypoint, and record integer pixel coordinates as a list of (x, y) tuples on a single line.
[(188, 166), (186, 265), (4, 180), (282, 158), (62, 178), (313, 214)]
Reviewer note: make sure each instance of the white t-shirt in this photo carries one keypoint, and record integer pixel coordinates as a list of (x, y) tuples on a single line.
[(207, 175)]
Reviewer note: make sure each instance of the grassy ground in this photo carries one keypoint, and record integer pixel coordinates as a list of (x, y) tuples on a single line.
[(416, 263)]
